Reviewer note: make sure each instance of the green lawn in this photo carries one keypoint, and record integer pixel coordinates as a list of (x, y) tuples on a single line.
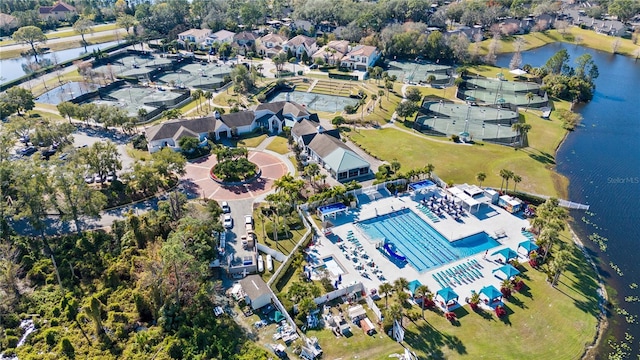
[(460, 163), (279, 144), (251, 140), (543, 323)]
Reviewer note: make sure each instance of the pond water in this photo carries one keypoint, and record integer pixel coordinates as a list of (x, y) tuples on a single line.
[(602, 161), (66, 92), (13, 68)]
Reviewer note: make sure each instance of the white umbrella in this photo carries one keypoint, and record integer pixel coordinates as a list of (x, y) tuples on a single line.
[(517, 72)]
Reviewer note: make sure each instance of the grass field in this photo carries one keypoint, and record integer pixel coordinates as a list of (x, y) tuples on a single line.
[(588, 38), (542, 323), (460, 163), (279, 144)]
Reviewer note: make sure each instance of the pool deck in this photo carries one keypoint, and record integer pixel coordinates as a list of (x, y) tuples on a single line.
[(490, 219)]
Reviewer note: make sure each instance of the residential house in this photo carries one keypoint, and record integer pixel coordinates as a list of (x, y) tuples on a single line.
[(193, 36), (257, 293), (300, 44), (326, 149), (244, 41), (270, 44), (169, 133), (271, 117), (219, 37), (333, 52), (361, 57), (59, 11), (8, 22)]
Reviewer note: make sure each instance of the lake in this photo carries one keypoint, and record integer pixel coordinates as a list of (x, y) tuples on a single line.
[(12, 68), (602, 161)]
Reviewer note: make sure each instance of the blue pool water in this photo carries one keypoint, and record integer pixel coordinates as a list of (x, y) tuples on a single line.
[(423, 246)]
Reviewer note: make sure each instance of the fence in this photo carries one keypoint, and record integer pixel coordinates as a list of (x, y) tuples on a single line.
[(353, 288), (277, 255), (374, 307)]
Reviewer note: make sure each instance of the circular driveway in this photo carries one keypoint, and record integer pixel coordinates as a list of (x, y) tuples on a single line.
[(198, 181)]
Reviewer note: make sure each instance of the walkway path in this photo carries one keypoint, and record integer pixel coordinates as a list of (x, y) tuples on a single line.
[(315, 82), (263, 145)]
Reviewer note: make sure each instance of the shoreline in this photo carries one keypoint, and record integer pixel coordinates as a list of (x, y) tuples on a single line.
[(603, 296)]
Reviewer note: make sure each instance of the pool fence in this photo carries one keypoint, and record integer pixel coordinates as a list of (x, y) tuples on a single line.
[(356, 288), (374, 307)]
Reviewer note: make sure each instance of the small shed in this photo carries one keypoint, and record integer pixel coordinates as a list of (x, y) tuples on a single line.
[(257, 293), (509, 203), (492, 194), (357, 313)]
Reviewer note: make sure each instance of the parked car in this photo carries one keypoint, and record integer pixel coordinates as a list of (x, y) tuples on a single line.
[(227, 222), (88, 179), (225, 207), (111, 177), (63, 156), (98, 179), (46, 154), (248, 220)]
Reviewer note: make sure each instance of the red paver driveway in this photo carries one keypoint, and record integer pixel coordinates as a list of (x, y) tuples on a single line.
[(198, 180)]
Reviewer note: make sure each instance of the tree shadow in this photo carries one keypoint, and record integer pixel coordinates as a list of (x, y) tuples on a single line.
[(525, 290), (487, 315), (517, 302), (505, 318), (427, 339)]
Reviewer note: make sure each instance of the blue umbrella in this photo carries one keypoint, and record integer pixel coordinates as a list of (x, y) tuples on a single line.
[(447, 294), (507, 254), (508, 270), (491, 292), (528, 245), (412, 286)]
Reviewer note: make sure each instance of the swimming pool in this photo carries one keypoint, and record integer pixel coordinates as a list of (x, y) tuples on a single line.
[(422, 245)]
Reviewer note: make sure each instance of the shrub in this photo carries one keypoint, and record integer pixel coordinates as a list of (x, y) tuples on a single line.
[(11, 321), (533, 263), (51, 337), (11, 342), (67, 348), (350, 109), (455, 138), (175, 350), (451, 316), (299, 72), (261, 98), (500, 311)]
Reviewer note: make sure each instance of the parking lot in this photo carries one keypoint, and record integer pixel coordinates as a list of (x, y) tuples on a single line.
[(90, 135)]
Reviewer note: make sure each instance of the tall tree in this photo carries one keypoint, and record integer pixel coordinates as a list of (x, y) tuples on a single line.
[(30, 35), (21, 99), (558, 265), (385, 289), (83, 26), (74, 197), (101, 158), (481, 177)]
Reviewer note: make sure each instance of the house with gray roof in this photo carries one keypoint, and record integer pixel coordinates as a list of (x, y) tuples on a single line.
[(327, 149), (271, 117)]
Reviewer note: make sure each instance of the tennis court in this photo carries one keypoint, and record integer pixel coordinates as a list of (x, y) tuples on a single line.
[(197, 75), (316, 102), (418, 71)]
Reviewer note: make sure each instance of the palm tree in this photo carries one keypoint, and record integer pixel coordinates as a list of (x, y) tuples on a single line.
[(516, 180), (208, 95), (529, 97), (395, 165), (423, 292), (395, 312), (474, 300), (504, 174), (400, 284), (558, 265), (385, 288), (506, 287), (481, 177), (429, 169), (524, 130), (547, 238)]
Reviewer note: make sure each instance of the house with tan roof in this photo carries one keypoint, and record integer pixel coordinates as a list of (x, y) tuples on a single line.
[(194, 36), (301, 44), (8, 22), (270, 45), (219, 37), (361, 57), (333, 52), (59, 11)]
